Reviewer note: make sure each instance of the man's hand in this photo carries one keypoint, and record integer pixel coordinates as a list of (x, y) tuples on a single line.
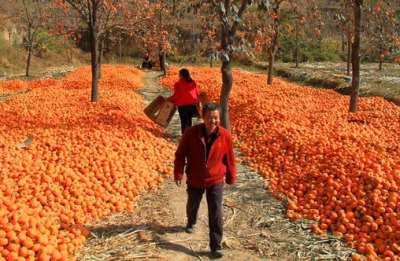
[(178, 182)]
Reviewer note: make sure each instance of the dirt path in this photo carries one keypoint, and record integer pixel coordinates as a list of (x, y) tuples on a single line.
[(255, 226)]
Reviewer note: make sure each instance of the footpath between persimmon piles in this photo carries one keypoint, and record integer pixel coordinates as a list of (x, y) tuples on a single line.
[(255, 226)]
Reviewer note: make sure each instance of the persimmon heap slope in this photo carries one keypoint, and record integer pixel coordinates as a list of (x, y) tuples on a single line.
[(86, 161)]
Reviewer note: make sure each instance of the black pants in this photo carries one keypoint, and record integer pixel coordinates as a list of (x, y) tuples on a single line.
[(214, 204), (186, 113)]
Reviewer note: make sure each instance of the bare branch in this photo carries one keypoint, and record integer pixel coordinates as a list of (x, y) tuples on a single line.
[(242, 9), (80, 9), (27, 13)]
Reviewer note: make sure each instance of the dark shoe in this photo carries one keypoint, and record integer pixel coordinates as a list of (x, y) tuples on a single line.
[(189, 229), (217, 253)]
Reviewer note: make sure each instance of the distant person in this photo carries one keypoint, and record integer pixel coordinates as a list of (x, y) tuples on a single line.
[(206, 150), (186, 98), (147, 63)]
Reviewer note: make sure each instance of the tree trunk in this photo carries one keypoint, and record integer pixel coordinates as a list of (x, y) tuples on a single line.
[(227, 81), (95, 67), (70, 55), (30, 47), (162, 52), (95, 55), (10, 35), (380, 55), (100, 52), (296, 50), (271, 58), (28, 61), (120, 47), (227, 77), (161, 58), (348, 53), (193, 40), (355, 61), (343, 42), (164, 61), (227, 40), (274, 44), (163, 67), (107, 42)]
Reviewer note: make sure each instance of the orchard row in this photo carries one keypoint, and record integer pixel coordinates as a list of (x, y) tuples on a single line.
[(337, 168)]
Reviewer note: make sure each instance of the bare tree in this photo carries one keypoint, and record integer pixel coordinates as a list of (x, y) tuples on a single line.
[(105, 17), (355, 55), (274, 19), (380, 26), (32, 17), (358, 10), (230, 17), (344, 23)]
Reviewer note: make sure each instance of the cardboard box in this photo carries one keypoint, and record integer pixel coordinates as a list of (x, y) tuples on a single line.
[(198, 112), (152, 109), (160, 111), (203, 98), (165, 114)]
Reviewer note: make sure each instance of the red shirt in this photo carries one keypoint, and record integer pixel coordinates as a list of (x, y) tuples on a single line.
[(202, 172), (185, 93)]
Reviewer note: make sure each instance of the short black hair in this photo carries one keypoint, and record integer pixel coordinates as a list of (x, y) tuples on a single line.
[(210, 106)]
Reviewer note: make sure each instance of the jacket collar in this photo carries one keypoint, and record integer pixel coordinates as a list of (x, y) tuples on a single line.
[(200, 131)]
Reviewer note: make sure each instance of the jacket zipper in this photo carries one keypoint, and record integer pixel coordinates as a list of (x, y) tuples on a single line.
[(205, 150), (205, 158), (205, 153)]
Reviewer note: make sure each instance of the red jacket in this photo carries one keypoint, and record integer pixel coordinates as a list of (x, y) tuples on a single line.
[(202, 173), (185, 93)]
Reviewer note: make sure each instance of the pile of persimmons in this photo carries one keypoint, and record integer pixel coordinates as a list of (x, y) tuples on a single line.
[(337, 168), (86, 160)]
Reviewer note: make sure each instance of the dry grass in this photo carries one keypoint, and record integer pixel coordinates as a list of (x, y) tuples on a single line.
[(384, 83), (50, 65)]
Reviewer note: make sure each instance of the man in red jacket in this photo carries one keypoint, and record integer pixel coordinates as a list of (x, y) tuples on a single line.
[(207, 152)]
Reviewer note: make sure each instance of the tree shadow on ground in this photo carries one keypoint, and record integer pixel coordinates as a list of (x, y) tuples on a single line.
[(111, 230), (167, 245), (155, 233)]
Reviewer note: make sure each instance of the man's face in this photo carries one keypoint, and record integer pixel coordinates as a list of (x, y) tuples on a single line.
[(211, 120)]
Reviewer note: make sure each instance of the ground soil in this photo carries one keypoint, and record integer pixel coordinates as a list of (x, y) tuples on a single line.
[(255, 227)]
